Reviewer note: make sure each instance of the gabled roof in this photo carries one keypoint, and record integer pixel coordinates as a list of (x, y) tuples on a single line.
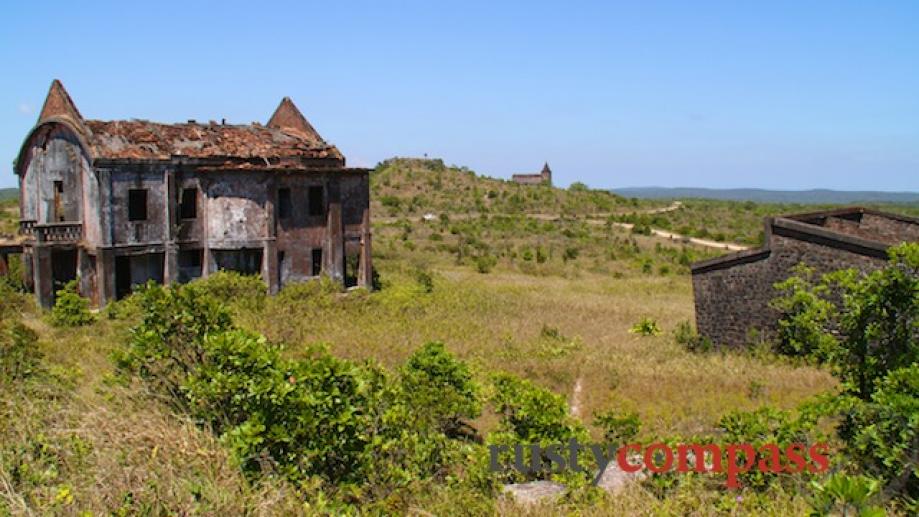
[(288, 117)]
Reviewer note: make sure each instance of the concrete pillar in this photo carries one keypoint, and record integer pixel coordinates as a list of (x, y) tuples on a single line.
[(170, 264), (270, 265), (44, 283), (105, 275), (334, 253), (28, 270), (365, 266), (85, 274), (206, 259)]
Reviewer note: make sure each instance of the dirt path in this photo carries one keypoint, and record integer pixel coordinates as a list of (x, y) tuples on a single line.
[(603, 218)]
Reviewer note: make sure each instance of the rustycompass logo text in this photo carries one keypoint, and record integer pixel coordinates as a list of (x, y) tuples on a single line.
[(733, 459)]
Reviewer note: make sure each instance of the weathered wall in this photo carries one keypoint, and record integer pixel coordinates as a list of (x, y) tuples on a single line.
[(121, 230), (236, 215), (53, 156), (734, 298), (890, 230)]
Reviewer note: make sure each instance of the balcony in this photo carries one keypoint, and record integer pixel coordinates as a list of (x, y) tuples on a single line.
[(27, 228), (57, 232)]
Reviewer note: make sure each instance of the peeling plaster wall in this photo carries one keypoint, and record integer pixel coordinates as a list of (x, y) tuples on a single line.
[(56, 156), (236, 209), (152, 230)]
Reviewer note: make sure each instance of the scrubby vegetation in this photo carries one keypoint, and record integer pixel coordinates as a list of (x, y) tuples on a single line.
[(216, 398)]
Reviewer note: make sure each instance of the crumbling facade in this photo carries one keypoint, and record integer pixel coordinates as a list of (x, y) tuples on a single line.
[(114, 204), (732, 293), (543, 178)]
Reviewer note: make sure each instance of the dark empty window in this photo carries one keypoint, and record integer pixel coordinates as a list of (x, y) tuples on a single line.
[(284, 205), (58, 187), (316, 201), (137, 205), (317, 261), (189, 205)]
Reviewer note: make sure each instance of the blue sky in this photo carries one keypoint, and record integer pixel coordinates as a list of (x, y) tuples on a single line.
[(787, 95)]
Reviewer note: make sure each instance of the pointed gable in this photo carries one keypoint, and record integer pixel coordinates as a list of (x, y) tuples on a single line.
[(59, 104), (288, 117)]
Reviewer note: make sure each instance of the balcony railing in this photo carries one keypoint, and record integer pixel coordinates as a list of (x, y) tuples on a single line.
[(58, 232), (26, 228)]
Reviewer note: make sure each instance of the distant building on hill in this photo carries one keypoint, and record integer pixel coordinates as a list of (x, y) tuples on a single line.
[(113, 204), (732, 292), (544, 177)]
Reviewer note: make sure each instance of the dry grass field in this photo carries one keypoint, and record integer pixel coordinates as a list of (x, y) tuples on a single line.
[(550, 301)]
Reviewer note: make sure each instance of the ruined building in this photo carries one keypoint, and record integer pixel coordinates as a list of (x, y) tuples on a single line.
[(732, 293), (543, 178), (114, 204)]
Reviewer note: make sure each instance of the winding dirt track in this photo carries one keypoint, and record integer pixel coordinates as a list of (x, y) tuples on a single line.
[(601, 219)]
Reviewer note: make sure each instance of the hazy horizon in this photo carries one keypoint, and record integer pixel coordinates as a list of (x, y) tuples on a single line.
[(779, 96)]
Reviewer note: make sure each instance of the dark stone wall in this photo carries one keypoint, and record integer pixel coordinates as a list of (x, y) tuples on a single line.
[(732, 300)]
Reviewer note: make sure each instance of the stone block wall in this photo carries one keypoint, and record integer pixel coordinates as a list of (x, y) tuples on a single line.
[(732, 295)]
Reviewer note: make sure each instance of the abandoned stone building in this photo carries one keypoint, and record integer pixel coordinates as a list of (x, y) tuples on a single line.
[(543, 178), (114, 204), (732, 293)]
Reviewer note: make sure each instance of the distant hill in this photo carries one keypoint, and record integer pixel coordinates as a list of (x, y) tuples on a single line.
[(8, 193), (816, 196)]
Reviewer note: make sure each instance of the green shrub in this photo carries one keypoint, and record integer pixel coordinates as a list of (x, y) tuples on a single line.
[(882, 434), (646, 327), (805, 314), (441, 389), (485, 263), (19, 354), (768, 426), (879, 321), (571, 253), (231, 287), (167, 345), (318, 419), (686, 336), (530, 415), (618, 428), (842, 494), (70, 309)]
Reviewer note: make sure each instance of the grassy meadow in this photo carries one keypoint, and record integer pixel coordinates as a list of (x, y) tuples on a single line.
[(549, 299)]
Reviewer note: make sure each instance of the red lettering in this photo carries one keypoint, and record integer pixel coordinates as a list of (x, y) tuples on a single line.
[(775, 465), (624, 461), (818, 453), (733, 468), (649, 458), (796, 458)]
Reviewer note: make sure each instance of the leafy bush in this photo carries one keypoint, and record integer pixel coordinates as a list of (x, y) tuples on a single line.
[(842, 494), (805, 313), (883, 433), (485, 263), (530, 415), (232, 287), (764, 427), (618, 428), (19, 355), (440, 388), (168, 343), (70, 309), (686, 336), (880, 321), (646, 327), (319, 419)]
